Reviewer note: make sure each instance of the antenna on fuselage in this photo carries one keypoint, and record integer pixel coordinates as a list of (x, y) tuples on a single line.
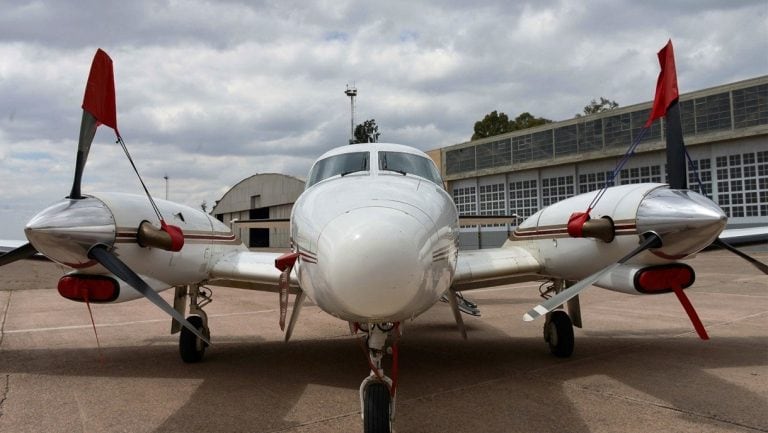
[(352, 93)]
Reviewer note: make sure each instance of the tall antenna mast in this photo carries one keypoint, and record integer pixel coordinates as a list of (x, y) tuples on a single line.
[(351, 92)]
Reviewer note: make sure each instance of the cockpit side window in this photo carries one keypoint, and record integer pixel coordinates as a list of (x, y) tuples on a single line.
[(408, 163), (342, 164)]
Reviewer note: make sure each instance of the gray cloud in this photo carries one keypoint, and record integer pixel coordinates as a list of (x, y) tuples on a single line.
[(212, 92)]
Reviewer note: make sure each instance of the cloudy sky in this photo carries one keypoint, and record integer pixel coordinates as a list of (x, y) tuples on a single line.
[(209, 93)]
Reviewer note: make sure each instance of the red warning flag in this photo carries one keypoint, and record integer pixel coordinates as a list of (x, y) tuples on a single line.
[(666, 85), (99, 99)]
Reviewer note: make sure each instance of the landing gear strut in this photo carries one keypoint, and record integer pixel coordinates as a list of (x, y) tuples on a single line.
[(191, 347), (558, 327), (377, 391)]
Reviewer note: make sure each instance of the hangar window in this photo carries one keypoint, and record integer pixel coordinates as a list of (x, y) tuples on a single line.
[(750, 106), (554, 189), (644, 174), (742, 184), (459, 160), (704, 169), (466, 200), (343, 164), (523, 198), (618, 130), (408, 163), (638, 124), (565, 140), (494, 154), (590, 135), (492, 199), (688, 117), (541, 145), (593, 181), (713, 113)]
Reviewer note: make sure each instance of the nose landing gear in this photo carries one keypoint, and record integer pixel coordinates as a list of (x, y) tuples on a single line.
[(377, 391)]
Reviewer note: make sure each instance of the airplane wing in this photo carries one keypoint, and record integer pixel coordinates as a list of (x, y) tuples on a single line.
[(252, 270), (744, 236), (490, 267), (10, 245)]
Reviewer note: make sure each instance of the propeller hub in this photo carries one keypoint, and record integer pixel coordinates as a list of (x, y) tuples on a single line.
[(685, 220), (65, 231)]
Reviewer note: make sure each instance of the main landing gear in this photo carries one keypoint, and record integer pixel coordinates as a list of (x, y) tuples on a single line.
[(558, 333), (191, 347), (558, 326), (377, 391)]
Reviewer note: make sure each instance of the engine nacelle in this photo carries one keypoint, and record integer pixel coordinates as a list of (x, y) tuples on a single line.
[(647, 280), (101, 289)]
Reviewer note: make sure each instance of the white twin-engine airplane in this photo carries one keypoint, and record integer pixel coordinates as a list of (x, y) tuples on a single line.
[(375, 243)]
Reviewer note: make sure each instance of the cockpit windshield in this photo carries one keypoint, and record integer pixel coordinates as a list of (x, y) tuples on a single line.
[(343, 164), (408, 163)]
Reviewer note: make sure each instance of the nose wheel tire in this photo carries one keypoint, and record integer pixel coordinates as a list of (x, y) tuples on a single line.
[(376, 414), (191, 347), (558, 332)]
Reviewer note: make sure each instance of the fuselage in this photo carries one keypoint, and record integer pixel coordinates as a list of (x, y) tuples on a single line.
[(376, 233)]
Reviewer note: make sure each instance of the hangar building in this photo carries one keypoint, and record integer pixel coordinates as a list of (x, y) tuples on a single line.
[(725, 131), (261, 196)]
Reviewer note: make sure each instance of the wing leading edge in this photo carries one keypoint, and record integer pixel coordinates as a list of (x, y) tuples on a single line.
[(490, 267), (744, 236), (250, 270)]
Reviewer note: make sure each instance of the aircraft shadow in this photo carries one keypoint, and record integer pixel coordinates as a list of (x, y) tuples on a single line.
[(491, 383)]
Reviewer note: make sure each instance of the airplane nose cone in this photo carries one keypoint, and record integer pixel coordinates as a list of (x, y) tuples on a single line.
[(373, 260), (686, 220), (65, 231)]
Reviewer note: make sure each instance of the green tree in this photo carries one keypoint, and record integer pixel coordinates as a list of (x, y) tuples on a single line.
[(527, 120), (367, 132), (495, 123), (596, 106)]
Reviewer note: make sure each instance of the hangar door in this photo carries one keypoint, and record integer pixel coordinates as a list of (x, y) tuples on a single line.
[(258, 238)]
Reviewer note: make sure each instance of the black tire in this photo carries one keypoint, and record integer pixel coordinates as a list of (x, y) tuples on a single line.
[(376, 415), (191, 347), (560, 334)]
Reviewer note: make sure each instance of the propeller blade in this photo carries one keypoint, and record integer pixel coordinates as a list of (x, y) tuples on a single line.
[(122, 271), (87, 132), (297, 304), (756, 263), (99, 107), (20, 253), (652, 240)]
